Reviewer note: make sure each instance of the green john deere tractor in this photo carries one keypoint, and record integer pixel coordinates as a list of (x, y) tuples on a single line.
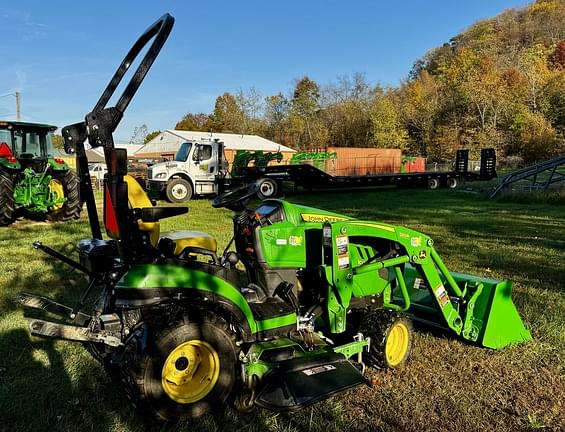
[(292, 315), (32, 181)]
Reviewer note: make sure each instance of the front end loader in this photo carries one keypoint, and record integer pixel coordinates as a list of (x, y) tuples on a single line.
[(290, 316)]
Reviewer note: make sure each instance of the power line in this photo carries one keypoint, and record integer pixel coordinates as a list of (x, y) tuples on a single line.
[(17, 96)]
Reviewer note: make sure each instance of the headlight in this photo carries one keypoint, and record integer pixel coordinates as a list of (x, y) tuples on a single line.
[(161, 175)]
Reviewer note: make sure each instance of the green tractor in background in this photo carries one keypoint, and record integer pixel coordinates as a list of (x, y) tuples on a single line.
[(289, 317), (32, 181)]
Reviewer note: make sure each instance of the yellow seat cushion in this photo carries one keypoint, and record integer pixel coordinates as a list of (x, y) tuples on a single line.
[(138, 199), (184, 239)]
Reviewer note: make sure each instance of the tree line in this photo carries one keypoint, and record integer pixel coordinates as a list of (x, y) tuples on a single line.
[(500, 83)]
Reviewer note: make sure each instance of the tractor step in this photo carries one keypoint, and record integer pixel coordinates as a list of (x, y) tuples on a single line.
[(302, 381), (53, 330)]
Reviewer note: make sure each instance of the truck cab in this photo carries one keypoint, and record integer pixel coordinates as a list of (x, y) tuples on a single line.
[(194, 171), (97, 171)]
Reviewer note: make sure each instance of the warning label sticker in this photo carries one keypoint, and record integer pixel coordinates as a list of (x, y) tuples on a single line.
[(318, 369), (341, 242), (420, 284), (343, 262), (295, 240), (442, 296), (281, 242)]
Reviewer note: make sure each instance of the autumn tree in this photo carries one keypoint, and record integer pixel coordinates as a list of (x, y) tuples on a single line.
[(538, 140), (151, 135), (58, 141), (277, 110), (346, 107), (420, 104), (250, 104), (195, 122), (227, 115), (533, 65), (388, 130), (304, 107)]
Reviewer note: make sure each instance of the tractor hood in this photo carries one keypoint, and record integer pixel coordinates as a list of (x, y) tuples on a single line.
[(299, 214)]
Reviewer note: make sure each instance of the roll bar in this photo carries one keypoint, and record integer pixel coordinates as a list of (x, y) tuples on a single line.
[(100, 124)]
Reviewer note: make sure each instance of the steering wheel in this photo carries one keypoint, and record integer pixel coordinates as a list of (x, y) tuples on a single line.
[(237, 198)]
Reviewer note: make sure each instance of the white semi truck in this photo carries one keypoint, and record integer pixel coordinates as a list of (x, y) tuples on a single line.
[(195, 170)]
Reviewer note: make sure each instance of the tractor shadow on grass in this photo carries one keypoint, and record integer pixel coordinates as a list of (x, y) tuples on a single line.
[(36, 272), (48, 385), (36, 392)]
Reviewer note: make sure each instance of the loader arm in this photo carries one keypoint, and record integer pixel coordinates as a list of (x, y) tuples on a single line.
[(401, 266)]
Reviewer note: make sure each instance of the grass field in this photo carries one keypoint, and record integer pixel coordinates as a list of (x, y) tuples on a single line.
[(448, 385)]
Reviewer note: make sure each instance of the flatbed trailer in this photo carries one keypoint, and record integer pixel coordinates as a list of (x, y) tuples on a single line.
[(271, 178)]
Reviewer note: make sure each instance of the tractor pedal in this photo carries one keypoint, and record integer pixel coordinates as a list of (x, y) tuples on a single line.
[(254, 293), (33, 301)]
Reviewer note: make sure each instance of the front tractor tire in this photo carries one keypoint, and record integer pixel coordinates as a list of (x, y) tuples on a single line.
[(178, 190), (65, 185), (391, 338), (187, 369), (6, 199)]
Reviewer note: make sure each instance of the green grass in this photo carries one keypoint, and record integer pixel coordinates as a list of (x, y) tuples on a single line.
[(448, 385)]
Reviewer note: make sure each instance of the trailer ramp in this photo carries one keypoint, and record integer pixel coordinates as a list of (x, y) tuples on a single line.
[(536, 177)]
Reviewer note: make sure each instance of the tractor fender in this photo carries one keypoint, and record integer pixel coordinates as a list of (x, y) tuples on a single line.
[(152, 284), (5, 164), (58, 164)]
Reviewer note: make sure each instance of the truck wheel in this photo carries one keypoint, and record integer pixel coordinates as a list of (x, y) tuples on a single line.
[(179, 190), (433, 183), (6, 199), (186, 370), (391, 338), (65, 185), (267, 188), (452, 183)]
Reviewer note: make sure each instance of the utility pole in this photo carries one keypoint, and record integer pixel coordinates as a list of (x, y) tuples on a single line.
[(18, 114)]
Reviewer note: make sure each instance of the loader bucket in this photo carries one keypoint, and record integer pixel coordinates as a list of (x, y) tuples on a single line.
[(493, 314), (488, 315)]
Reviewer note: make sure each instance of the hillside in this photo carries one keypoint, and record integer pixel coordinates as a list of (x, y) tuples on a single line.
[(499, 83)]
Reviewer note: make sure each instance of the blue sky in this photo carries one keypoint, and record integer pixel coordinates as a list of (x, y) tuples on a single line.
[(60, 55)]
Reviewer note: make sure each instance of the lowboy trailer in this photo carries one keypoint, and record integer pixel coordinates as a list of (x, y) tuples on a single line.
[(270, 179)]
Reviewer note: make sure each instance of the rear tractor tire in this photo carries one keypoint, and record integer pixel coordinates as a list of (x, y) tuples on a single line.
[(65, 185), (391, 338), (187, 369), (178, 190), (6, 199)]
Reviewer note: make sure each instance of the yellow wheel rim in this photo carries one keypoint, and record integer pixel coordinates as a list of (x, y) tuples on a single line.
[(397, 344), (190, 371), (58, 192)]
